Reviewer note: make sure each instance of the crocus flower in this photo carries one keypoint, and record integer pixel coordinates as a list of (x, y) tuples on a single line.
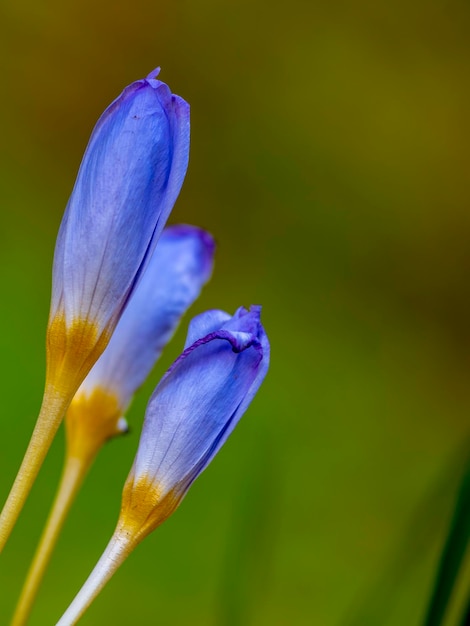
[(129, 179), (127, 184), (179, 267), (193, 410)]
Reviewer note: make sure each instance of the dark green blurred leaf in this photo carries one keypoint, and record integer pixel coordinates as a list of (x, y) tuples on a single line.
[(377, 605), (465, 621), (452, 555)]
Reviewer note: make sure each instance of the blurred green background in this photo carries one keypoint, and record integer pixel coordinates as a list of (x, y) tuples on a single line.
[(330, 160)]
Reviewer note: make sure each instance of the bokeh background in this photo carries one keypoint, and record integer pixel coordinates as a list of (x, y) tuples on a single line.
[(330, 160)]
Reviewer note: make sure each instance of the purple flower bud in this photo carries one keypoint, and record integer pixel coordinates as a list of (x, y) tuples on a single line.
[(193, 410), (129, 179)]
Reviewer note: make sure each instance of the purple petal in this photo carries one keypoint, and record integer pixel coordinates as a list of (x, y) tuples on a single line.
[(180, 266)]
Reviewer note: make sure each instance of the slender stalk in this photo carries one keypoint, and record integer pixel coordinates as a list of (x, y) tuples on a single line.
[(91, 420), (73, 473), (117, 551), (52, 410)]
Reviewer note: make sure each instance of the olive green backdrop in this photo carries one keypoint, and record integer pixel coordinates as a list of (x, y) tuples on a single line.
[(330, 160)]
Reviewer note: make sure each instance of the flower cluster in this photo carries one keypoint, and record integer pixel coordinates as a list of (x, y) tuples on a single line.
[(117, 299)]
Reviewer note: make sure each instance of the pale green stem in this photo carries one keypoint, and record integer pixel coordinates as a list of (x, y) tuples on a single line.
[(117, 551), (74, 471), (53, 408)]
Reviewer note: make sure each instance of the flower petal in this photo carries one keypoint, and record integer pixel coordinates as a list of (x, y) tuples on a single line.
[(180, 265)]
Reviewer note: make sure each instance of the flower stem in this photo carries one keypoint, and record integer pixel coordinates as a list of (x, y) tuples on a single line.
[(52, 410), (117, 551), (73, 473)]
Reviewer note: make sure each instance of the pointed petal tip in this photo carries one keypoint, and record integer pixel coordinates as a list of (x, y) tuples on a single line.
[(167, 98), (153, 74)]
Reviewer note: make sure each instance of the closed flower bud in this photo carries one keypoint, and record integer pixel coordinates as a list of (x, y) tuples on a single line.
[(193, 410), (127, 184)]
